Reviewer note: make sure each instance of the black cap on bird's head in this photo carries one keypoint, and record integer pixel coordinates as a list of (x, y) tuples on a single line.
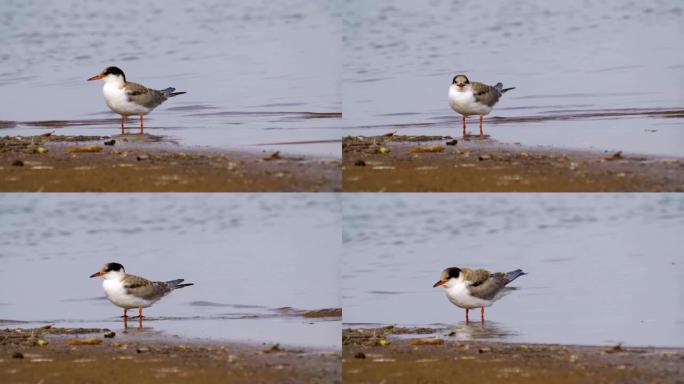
[(113, 71), (109, 267), (460, 80), (447, 274), (116, 71), (113, 267)]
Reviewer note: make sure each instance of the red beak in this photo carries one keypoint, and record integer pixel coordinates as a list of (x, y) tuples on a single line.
[(96, 77), (437, 284), (96, 274)]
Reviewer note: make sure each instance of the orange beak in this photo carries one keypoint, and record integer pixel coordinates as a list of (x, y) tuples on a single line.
[(437, 284), (96, 77), (96, 274)]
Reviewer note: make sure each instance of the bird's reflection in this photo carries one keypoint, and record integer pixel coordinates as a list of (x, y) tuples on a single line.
[(478, 331), (475, 137), (140, 323)]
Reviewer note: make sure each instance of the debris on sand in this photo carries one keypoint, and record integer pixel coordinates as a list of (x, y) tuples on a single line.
[(426, 148), (326, 312), (434, 341), (85, 149), (17, 355), (360, 355), (110, 335), (615, 349), (88, 341), (39, 150), (18, 163), (360, 163), (273, 349), (452, 142), (110, 142), (273, 156), (615, 156)]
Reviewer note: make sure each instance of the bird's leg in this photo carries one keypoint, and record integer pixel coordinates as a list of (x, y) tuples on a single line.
[(125, 315), (467, 309), (140, 326), (122, 123), (481, 130), (142, 129), (482, 315), (140, 316), (125, 323), (464, 126)]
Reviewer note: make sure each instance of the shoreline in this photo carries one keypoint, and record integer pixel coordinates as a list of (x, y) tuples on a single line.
[(134, 163), (146, 329), (397, 163), (50, 354), (370, 354)]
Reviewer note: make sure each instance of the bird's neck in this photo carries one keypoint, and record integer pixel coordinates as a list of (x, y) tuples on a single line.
[(115, 82)]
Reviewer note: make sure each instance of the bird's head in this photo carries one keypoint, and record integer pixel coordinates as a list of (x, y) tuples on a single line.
[(110, 74), (110, 271), (447, 277), (460, 81)]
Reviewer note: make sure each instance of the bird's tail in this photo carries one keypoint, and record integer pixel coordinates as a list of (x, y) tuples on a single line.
[(175, 284), (510, 276), (169, 92), (501, 89)]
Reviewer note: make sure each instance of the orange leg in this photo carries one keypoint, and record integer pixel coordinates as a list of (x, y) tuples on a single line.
[(482, 314), (142, 129), (464, 126), (467, 319), (140, 311), (481, 130), (125, 313)]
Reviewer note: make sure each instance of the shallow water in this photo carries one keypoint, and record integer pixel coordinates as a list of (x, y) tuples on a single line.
[(400, 57), (602, 268), (247, 66), (248, 255)]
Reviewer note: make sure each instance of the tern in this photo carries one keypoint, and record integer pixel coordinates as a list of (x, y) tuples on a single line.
[(475, 288), (129, 99), (130, 291), (474, 98)]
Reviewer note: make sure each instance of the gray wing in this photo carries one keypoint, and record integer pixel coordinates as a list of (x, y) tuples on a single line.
[(150, 98), (145, 289), (486, 94), (489, 288)]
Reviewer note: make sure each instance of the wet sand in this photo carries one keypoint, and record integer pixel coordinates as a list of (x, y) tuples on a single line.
[(374, 355), (134, 163), (395, 163), (68, 355)]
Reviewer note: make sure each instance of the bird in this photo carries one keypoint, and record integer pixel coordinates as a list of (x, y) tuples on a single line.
[(127, 98), (472, 288), (474, 98), (130, 291)]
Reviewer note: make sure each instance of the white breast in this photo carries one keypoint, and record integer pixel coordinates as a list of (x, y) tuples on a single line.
[(116, 293), (117, 100), (463, 102), (458, 294)]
